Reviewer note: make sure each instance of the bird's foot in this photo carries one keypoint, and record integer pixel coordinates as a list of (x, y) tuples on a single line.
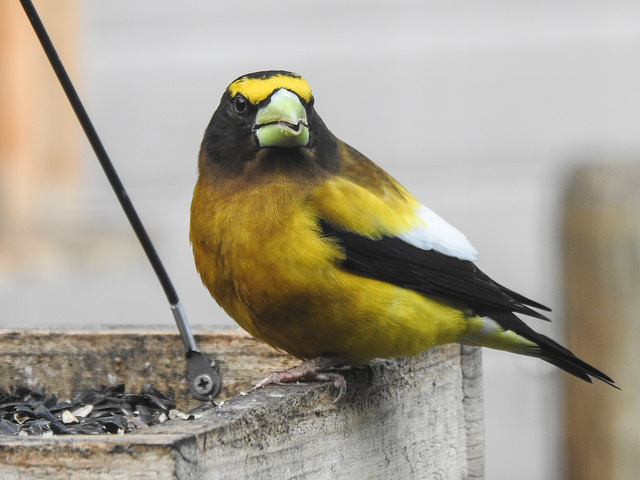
[(313, 370)]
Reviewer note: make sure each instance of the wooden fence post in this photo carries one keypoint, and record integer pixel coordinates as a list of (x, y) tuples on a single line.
[(602, 285)]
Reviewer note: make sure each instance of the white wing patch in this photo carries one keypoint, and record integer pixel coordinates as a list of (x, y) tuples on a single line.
[(436, 234)]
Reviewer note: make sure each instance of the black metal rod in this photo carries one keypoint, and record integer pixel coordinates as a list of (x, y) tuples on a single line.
[(100, 152), (202, 375)]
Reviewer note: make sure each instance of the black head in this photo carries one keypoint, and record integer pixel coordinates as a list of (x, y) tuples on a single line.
[(267, 120)]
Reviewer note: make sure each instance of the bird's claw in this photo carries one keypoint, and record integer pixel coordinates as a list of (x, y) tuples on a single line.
[(309, 371), (338, 380)]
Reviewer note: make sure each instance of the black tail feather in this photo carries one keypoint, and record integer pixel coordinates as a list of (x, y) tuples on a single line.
[(559, 356), (524, 300), (552, 352)]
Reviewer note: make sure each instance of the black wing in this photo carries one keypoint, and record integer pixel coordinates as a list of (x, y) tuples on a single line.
[(435, 274), (395, 261)]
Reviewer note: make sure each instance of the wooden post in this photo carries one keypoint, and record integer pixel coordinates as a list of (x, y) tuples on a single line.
[(418, 418), (602, 286)]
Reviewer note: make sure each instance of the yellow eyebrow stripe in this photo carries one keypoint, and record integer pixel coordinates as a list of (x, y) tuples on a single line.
[(257, 89)]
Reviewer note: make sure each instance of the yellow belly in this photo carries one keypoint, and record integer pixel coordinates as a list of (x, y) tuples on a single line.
[(261, 255)]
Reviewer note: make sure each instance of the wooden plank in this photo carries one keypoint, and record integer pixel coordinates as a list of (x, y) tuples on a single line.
[(67, 361), (471, 362), (406, 418), (601, 245)]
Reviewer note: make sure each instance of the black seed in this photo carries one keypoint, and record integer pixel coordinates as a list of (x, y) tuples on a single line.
[(114, 390), (127, 412), (43, 412), (8, 428), (149, 419), (58, 427), (35, 429), (21, 392), (50, 400), (142, 410), (61, 406), (162, 403), (82, 395), (149, 389), (24, 410), (114, 423), (35, 412)]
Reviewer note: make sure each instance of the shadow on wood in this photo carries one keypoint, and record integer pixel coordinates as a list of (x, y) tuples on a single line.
[(406, 418)]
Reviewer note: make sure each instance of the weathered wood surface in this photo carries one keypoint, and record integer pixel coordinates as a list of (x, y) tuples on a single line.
[(67, 361), (406, 418), (602, 286)]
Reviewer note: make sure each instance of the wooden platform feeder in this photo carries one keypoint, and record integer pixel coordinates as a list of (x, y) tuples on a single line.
[(408, 418)]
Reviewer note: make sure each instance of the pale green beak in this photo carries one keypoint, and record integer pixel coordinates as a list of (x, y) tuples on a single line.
[(282, 122)]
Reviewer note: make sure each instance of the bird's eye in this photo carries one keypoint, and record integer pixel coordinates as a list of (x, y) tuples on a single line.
[(311, 102), (240, 104)]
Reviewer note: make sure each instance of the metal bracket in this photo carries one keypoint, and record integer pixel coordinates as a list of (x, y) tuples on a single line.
[(203, 378)]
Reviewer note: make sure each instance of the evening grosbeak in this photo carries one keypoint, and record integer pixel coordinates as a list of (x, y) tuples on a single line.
[(313, 248)]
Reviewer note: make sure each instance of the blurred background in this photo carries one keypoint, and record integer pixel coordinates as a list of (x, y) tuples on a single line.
[(481, 109)]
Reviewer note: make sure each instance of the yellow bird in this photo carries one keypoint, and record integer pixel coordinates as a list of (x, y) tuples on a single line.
[(313, 248)]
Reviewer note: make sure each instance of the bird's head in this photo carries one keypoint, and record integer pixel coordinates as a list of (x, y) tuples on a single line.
[(267, 118)]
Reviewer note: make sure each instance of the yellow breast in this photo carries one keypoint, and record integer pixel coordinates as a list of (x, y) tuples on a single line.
[(260, 253)]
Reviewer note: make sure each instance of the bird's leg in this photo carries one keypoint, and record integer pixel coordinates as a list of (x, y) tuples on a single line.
[(313, 370)]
